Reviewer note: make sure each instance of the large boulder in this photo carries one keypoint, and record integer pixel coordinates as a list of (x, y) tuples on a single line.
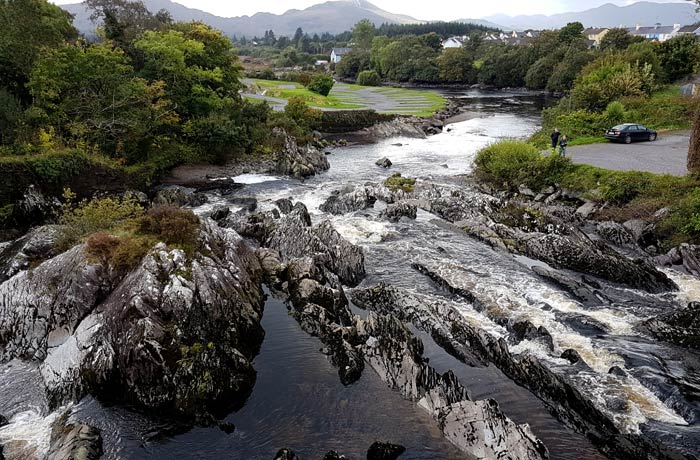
[(299, 161), (384, 451), (74, 441), (394, 212), (34, 247), (680, 327), (176, 195), (349, 200), (176, 334)]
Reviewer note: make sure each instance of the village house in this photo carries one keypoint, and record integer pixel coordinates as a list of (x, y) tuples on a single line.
[(595, 34), (657, 32), (338, 53), (454, 42), (689, 30)]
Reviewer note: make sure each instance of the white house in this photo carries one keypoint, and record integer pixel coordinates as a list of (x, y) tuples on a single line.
[(657, 32), (453, 42), (338, 53), (689, 30)]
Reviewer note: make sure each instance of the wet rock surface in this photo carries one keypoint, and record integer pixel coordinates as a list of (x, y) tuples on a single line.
[(74, 441), (559, 388), (177, 334), (680, 327), (384, 451)]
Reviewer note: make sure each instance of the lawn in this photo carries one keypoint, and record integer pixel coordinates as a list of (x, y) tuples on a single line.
[(347, 96)]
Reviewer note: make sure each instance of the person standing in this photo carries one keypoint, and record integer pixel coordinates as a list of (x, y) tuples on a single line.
[(563, 143), (555, 139)]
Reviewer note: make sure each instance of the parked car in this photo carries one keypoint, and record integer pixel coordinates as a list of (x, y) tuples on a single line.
[(631, 132)]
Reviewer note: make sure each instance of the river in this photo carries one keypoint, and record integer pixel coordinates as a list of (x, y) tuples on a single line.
[(298, 400)]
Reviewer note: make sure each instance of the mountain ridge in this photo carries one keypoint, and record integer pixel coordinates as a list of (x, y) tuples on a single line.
[(333, 16), (608, 15)]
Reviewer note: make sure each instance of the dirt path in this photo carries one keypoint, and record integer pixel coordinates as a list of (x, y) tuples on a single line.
[(667, 155)]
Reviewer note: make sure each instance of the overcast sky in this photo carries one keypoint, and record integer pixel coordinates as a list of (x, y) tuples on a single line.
[(444, 9)]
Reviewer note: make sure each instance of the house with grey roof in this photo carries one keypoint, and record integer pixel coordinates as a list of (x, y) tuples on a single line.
[(657, 32), (338, 53)]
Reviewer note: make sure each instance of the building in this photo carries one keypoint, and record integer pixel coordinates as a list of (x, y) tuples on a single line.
[(657, 32), (338, 53), (595, 34), (689, 30), (454, 42)]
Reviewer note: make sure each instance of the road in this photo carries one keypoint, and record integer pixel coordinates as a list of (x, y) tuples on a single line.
[(668, 155)]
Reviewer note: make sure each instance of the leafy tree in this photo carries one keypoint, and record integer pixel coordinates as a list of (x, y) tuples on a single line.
[(11, 115), (618, 40), (408, 59), (456, 66), (353, 63), (571, 32), (198, 65), (303, 115), (125, 20), (432, 40), (321, 84), (363, 33), (506, 66), (568, 69), (541, 71), (27, 26), (92, 95), (679, 57)]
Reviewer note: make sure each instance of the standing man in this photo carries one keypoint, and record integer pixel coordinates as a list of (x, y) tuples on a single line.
[(555, 139)]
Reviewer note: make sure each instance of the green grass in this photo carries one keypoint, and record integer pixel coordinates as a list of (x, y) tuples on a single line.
[(345, 96)]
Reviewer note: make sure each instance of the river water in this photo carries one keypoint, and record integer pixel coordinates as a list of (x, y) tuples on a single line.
[(299, 402)]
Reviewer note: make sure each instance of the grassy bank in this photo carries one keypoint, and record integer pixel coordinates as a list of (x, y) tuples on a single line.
[(664, 110), (628, 195), (399, 101)]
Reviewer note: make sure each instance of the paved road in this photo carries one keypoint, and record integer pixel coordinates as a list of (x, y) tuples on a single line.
[(668, 155)]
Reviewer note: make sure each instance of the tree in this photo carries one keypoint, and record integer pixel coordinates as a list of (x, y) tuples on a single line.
[(363, 34), (571, 32), (125, 20), (91, 94), (198, 65), (408, 59), (679, 57), (26, 27), (618, 40), (353, 64), (456, 66), (321, 84)]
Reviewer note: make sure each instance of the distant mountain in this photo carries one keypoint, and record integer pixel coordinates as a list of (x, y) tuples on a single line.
[(333, 16), (609, 15)]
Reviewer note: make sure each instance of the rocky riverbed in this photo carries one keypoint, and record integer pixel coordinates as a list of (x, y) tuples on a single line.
[(333, 316)]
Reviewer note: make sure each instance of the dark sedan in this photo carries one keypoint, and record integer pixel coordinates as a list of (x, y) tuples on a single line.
[(631, 132)]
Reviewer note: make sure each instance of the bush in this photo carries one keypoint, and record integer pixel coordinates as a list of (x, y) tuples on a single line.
[(321, 84), (170, 225), (305, 118), (396, 183), (615, 113), (368, 78)]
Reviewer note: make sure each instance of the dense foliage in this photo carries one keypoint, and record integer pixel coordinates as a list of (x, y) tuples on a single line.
[(147, 94)]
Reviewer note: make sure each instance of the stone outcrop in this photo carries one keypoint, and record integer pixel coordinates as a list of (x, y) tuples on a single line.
[(298, 161), (680, 327), (177, 334), (177, 195), (384, 163), (685, 257), (35, 246), (384, 451), (293, 236), (394, 212), (74, 441), (557, 388), (349, 200)]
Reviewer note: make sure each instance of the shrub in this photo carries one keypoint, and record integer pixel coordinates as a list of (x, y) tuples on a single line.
[(396, 183), (305, 118), (512, 163), (170, 225), (368, 78), (321, 84), (615, 113), (97, 215)]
